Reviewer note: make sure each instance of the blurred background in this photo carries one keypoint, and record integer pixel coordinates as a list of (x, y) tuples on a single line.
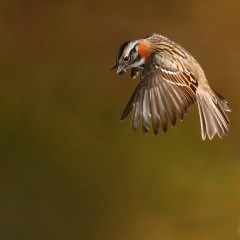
[(68, 168)]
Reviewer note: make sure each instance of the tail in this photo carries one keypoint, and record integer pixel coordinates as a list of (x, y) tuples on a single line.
[(212, 110)]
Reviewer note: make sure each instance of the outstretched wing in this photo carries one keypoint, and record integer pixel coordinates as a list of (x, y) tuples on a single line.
[(166, 89)]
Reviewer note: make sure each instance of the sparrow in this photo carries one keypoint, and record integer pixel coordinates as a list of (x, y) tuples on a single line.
[(171, 80)]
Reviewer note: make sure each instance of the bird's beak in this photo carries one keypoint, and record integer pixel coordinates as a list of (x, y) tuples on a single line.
[(120, 69)]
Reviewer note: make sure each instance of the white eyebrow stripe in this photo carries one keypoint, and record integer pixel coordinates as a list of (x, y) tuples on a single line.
[(129, 48)]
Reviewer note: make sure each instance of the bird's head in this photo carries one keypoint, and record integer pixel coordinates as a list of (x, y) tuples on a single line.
[(132, 54)]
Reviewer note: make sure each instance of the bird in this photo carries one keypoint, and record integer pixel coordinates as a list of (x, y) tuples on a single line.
[(171, 80)]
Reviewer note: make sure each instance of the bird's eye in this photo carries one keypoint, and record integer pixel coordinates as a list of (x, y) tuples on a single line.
[(126, 58)]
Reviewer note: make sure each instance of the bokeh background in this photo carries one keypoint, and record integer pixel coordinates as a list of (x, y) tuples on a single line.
[(68, 168)]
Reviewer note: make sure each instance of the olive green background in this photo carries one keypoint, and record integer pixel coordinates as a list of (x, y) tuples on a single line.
[(68, 168)]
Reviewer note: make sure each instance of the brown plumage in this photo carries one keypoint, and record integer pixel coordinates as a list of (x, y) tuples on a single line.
[(170, 81)]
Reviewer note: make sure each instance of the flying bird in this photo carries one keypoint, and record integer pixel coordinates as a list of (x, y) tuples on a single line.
[(171, 80)]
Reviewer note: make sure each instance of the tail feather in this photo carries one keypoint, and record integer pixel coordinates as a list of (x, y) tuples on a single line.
[(222, 101), (212, 110)]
